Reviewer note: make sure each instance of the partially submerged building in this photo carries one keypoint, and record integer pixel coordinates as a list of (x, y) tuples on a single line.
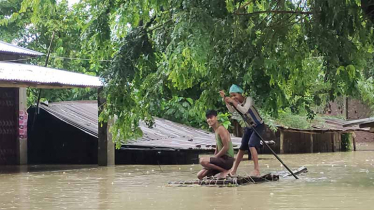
[(14, 79), (67, 132), (328, 137), (73, 135), (367, 123)]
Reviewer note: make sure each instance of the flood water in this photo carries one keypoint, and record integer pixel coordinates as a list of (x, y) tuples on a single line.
[(334, 181)]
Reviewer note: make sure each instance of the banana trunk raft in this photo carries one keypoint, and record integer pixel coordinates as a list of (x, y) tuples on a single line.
[(238, 180)]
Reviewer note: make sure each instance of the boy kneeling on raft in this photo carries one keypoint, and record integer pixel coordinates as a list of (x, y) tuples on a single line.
[(223, 158)]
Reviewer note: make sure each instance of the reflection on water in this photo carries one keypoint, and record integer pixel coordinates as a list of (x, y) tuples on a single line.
[(334, 181)]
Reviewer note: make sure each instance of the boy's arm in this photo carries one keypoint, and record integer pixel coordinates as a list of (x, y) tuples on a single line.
[(224, 98), (225, 137), (244, 108)]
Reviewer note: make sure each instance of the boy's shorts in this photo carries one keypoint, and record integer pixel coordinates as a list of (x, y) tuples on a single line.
[(224, 162), (250, 138)]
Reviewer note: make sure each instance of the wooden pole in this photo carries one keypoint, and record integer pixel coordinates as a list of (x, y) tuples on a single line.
[(40, 90), (354, 140), (272, 151), (281, 141), (346, 107)]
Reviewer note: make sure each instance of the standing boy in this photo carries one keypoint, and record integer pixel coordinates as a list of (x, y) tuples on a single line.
[(223, 158), (253, 120)]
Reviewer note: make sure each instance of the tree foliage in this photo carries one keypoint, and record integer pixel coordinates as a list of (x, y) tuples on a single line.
[(171, 57)]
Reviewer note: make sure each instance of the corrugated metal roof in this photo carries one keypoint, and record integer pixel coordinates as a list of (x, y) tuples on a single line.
[(329, 125), (14, 49), (31, 74), (80, 114), (84, 116), (166, 133), (340, 124), (359, 122)]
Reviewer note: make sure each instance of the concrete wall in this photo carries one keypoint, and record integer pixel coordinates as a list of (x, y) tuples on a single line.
[(22, 126)]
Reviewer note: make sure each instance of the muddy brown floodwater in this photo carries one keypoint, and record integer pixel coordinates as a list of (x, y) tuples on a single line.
[(334, 181)]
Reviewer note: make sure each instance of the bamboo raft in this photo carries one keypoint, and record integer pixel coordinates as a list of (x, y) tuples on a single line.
[(237, 180)]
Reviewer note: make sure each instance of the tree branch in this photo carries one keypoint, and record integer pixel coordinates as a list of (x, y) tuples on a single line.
[(276, 11), (159, 26), (246, 4)]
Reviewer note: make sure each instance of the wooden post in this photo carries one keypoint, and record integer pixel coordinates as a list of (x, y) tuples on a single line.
[(105, 143), (354, 140), (346, 114), (311, 143), (281, 141)]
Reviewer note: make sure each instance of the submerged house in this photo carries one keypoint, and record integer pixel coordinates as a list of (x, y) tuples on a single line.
[(14, 120), (11, 107), (67, 132), (327, 137)]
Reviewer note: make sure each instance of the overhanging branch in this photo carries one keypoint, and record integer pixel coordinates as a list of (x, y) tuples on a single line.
[(246, 4), (275, 11), (160, 25)]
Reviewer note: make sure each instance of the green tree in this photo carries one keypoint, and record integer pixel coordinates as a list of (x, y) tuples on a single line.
[(171, 57), (284, 53)]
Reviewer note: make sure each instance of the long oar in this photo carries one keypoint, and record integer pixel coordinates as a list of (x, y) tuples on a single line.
[(263, 141)]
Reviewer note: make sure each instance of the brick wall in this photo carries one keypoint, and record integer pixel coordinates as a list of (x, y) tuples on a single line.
[(356, 109)]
